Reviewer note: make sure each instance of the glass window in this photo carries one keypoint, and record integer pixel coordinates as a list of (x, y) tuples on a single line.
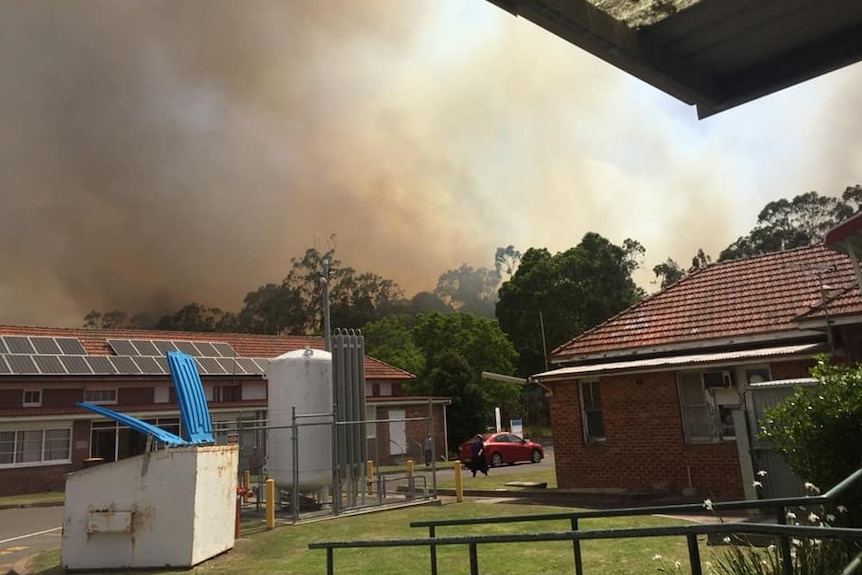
[(29, 446), (7, 447), (32, 397), (371, 425), (101, 396), (57, 444), (593, 418)]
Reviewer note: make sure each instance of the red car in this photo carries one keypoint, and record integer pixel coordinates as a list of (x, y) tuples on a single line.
[(503, 448)]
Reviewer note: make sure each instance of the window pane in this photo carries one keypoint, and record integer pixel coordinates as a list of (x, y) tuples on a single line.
[(57, 444), (697, 422), (29, 446), (595, 425), (7, 447), (691, 391)]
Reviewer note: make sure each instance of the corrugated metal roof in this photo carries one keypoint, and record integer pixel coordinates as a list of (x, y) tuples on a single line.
[(641, 365)]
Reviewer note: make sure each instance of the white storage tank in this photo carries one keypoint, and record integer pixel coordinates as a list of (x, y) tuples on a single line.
[(301, 379)]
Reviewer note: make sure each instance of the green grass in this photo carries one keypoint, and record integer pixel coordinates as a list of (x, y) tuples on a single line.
[(497, 481), (284, 550), (47, 497)]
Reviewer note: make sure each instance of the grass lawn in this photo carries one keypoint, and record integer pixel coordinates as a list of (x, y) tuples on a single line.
[(284, 550), (47, 497)]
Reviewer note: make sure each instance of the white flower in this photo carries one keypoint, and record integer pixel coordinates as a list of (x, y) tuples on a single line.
[(796, 542), (830, 518), (708, 504), (813, 518), (791, 515), (811, 487), (656, 557), (771, 548), (842, 509), (757, 484), (677, 565), (726, 539), (762, 473)]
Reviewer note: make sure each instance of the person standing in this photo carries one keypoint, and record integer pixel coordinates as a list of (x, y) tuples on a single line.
[(477, 459), (428, 448)]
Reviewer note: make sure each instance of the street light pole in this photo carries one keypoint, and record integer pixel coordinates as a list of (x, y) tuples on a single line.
[(327, 333)]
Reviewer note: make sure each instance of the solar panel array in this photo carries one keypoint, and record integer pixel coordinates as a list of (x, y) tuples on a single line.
[(158, 347), (41, 345), (34, 364), (31, 355)]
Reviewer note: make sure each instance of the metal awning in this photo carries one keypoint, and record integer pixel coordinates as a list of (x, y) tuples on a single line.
[(662, 363)]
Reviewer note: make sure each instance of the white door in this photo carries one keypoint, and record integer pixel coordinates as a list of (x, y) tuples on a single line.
[(397, 432)]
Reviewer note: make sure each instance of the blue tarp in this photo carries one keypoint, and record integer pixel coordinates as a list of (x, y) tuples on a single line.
[(194, 414)]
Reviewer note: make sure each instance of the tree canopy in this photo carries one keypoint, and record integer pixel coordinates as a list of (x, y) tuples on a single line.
[(566, 293)]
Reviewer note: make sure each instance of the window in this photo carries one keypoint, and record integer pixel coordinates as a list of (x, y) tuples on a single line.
[(32, 397), (370, 425), (35, 446), (222, 393), (707, 407), (591, 403), (101, 396)]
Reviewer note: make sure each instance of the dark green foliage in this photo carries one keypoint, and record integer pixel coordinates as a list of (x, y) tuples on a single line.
[(802, 221), (200, 318), (569, 292), (818, 430)]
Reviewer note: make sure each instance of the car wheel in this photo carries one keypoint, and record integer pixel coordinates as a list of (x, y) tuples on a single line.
[(496, 460), (535, 457)]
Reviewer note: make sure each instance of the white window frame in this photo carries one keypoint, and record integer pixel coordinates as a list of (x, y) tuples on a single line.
[(705, 406), (101, 395), (20, 449), (33, 401), (370, 425), (590, 391)]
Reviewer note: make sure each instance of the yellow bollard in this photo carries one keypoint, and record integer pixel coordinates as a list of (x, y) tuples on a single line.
[(270, 504), (369, 474), (246, 484), (410, 468), (459, 488)]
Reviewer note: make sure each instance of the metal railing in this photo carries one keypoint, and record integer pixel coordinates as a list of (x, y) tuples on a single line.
[(781, 530)]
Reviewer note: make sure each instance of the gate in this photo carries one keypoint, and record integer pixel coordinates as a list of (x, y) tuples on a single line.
[(780, 480)]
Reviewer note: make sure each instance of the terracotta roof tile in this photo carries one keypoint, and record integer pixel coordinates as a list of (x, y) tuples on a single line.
[(246, 345), (747, 297)]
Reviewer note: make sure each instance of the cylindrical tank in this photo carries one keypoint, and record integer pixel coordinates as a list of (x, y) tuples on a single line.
[(301, 379)]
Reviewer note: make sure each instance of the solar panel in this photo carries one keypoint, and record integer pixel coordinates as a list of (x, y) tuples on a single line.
[(101, 364), (124, 364), (230, 365), (21, 364), (201, 369), (71, 346), (146, 347), (163, 364), (19, 344), (206, 349), (188, 348), (45, 345), (122, 347), (149, 365), (4, 368), (248, 365), (49, 364), (225, 349), (75, 364), (262, 363), (164, 346), (211, 366), (3, 346)]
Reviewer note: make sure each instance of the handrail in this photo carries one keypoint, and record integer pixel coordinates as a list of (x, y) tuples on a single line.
[(777, 504), (689, 531), (781, 529)]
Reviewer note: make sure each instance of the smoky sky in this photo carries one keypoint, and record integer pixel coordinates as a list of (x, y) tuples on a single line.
[(159, 152)]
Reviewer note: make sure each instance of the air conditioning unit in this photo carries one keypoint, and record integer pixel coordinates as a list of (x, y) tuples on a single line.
[(713, 379)]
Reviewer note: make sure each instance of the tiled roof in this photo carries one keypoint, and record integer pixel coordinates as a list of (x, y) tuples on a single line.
[(758, 296), (246, 345)]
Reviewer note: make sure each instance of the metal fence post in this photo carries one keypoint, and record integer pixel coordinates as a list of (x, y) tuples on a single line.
[(576, 549)]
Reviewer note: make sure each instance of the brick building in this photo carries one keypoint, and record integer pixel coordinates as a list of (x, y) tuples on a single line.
[(646, 400), (44, 371)]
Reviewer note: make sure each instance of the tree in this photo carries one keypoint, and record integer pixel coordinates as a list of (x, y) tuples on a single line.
[(391, 340), (567, 293), (802, 221), (453, 377), (118, 319), (506, 261), (669, 272), (469, 290), (198, 317)]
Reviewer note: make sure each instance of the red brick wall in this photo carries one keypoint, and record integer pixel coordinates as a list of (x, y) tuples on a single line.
[(644, 445), (11, 398), (135, 396), (791, 369), (61, 397)]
